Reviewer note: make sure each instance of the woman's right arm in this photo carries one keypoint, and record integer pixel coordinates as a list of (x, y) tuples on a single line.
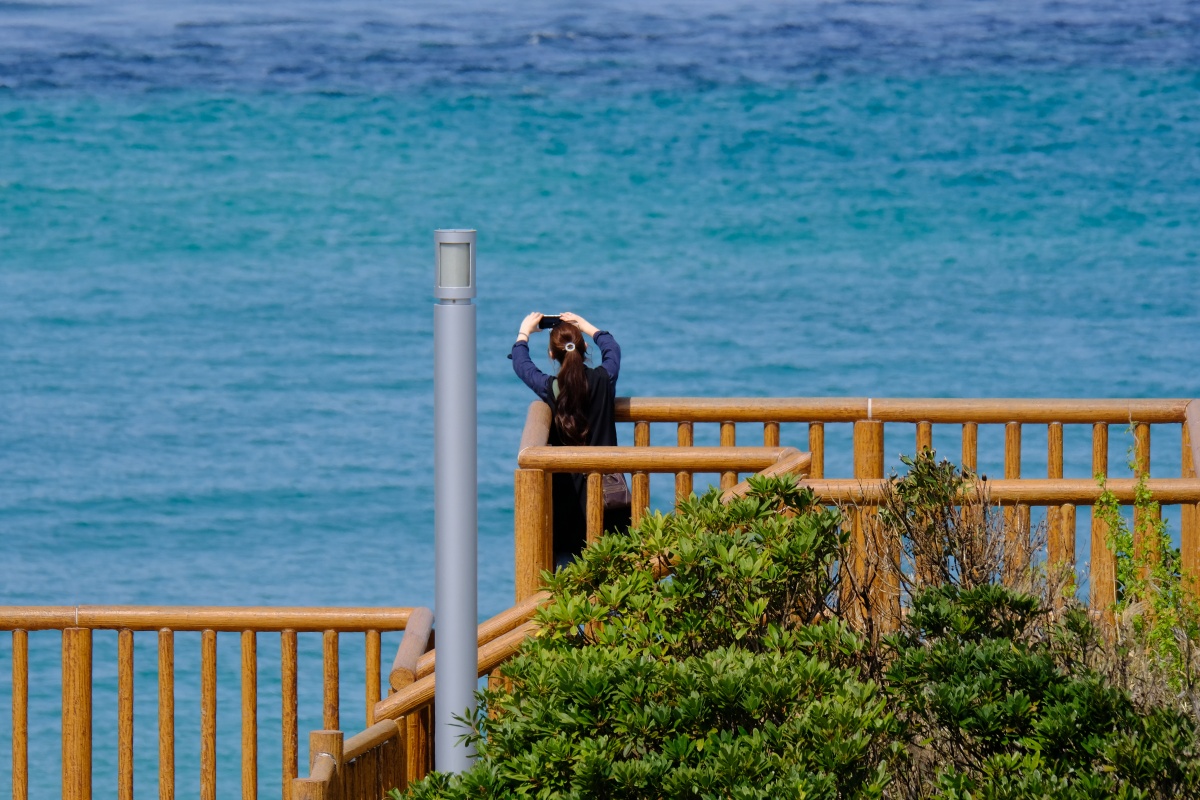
[(523, 365), (528, 372)]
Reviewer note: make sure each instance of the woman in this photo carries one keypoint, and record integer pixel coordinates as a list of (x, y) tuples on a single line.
[(581, 399)]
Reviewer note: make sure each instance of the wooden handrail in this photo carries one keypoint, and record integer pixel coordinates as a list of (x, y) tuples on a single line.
[(881, 409), (536, 432), (417, 694), (794, 464), (200, 618), (651, 459), (412, 646), (1032, 491), (492, 629), (371, 738)]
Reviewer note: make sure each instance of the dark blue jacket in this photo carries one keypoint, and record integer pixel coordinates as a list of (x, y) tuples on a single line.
[(541, 383)]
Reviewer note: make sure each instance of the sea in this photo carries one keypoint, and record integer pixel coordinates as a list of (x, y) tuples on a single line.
[(216, 267)]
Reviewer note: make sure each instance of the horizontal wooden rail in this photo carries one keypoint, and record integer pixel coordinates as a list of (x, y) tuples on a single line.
[(418, 694), (493, 629), (371, 738), (201, 618), (536, 432), (851, 409), (652, 459), (1033, 492), (411, 648), (795, 464)]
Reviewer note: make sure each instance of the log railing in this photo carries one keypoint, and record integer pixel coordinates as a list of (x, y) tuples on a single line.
[(537, 463), (398, 749), (868, 419), (77, 625)]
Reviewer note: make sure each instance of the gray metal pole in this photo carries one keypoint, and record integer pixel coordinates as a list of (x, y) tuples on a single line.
[(456, 510)]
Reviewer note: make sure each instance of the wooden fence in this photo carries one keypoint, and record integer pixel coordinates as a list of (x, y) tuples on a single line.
[(77, 624), (868, 419), (396, 746), (350, 774)]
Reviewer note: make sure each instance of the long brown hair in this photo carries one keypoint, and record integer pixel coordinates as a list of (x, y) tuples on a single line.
[(571, 406)]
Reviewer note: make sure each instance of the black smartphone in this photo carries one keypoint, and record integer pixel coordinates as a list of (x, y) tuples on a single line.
[(549, 321)]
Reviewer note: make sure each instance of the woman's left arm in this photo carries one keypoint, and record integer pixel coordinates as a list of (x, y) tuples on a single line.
[(610, 353), (523, 365)]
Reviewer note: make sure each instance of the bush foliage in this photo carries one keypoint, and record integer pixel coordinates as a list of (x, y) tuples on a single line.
[(708, 655)]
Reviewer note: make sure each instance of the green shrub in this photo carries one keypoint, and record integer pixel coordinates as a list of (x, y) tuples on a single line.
[(985, 694), (706, 655), (731, 677)]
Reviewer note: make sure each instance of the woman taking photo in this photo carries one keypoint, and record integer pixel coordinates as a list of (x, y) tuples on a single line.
[(581, 399)]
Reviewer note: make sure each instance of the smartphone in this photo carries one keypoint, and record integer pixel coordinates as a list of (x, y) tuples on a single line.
[(549, 321)]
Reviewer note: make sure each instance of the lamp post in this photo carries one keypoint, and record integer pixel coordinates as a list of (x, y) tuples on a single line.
[(456, 494)]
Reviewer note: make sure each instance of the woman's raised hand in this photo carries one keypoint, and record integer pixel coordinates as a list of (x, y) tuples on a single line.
[(530, 323), (579, 322)]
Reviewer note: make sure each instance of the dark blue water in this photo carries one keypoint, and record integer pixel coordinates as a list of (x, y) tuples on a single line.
[(216, 243)]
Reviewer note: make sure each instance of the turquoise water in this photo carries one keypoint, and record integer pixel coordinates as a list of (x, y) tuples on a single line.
[(216, 239)]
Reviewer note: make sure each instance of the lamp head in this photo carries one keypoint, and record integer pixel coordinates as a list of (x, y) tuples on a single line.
[(454, 278)]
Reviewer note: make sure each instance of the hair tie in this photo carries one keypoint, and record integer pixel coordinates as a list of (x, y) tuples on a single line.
[(569, 347)]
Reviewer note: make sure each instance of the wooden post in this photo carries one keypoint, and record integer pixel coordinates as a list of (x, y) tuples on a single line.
[(1103, 567), (166, 714), (208, 715), (249, 716), (374, 689), (77, 714), (683, 480), (595, 508), (728, 439), (125, 714), (330, 744), (883, 587), (1189, 519), (924, 437), (1067, 528), (330, 680), (1016, 519), (534, 548), (770, 434), (816, 446), (1056, 552), (20, 715), (287, 679), (1142, 521), (970, 446), (868, 449), (641, 480)]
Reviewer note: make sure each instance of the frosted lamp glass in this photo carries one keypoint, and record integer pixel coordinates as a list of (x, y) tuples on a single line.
[(454, 265)]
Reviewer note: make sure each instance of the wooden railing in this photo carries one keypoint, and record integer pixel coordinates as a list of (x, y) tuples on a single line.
[(868, 419), (77, 624), (537, 463), (398, 749)]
